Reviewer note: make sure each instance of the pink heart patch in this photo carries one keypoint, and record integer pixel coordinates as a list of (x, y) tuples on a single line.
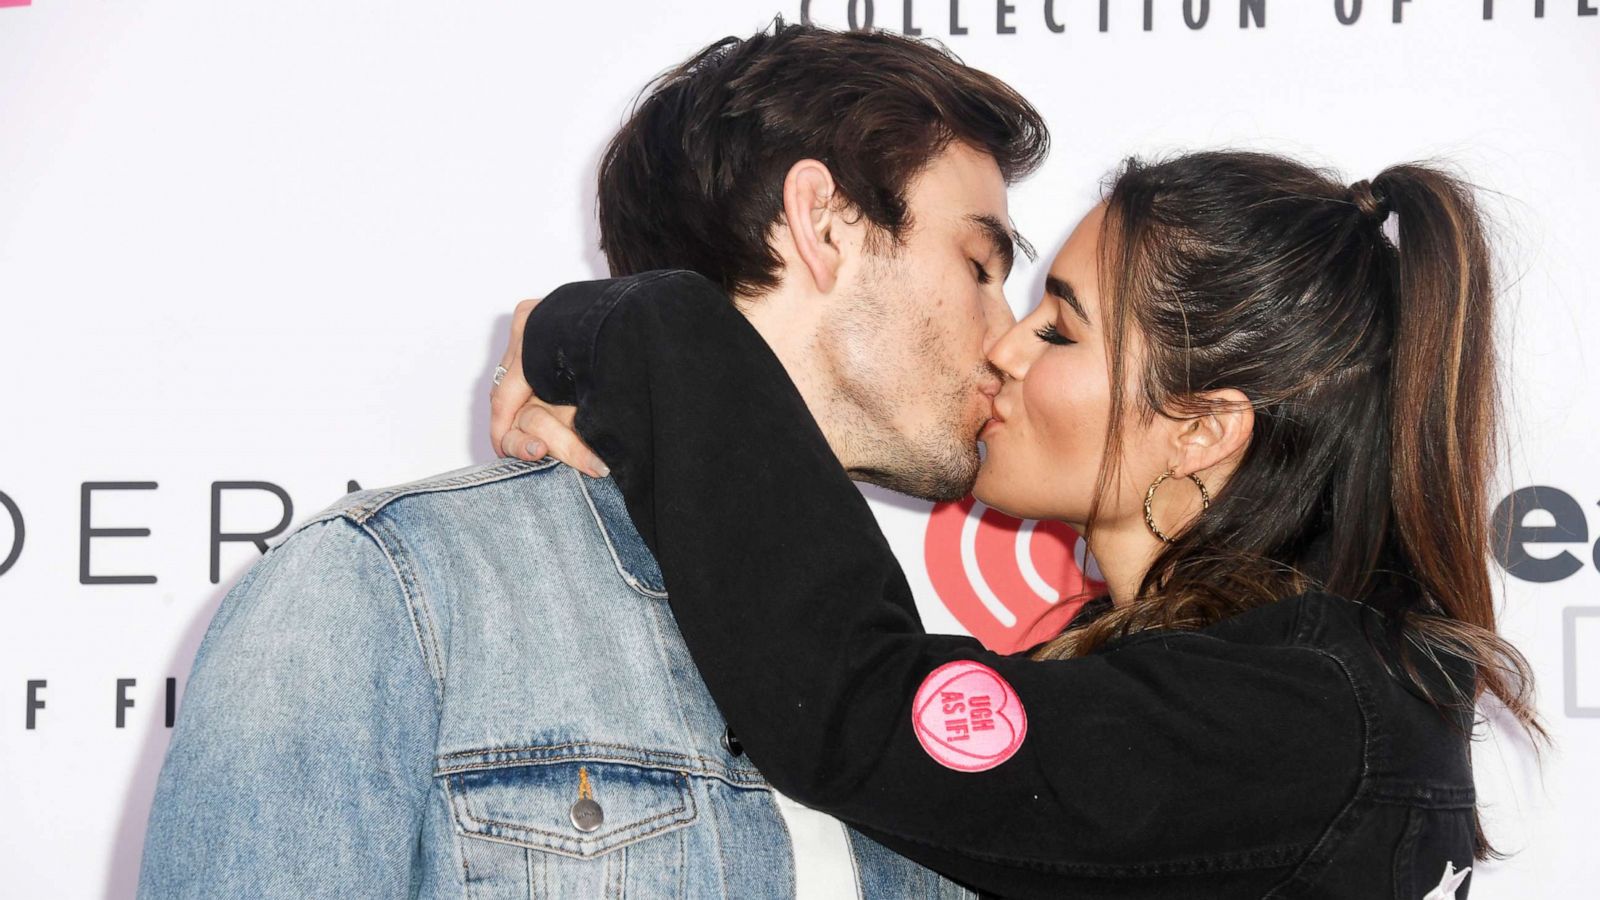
[(967, 717)]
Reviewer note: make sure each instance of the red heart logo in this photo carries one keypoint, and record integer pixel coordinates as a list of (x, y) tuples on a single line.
[(1011, 584), (967, 717)]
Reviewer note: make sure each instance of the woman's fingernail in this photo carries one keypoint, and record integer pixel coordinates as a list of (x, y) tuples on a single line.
[(535, 450), (601, 470)]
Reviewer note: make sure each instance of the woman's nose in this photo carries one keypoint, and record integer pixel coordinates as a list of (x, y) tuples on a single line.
[(1009, 353)]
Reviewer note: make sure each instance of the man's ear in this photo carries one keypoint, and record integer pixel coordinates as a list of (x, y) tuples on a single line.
[(812, 218), (1216, 437)]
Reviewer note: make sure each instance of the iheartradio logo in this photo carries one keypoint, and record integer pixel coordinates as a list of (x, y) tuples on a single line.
[(1004, 578)]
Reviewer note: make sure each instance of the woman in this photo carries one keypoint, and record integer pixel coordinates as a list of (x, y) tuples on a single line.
[(1274, 426)]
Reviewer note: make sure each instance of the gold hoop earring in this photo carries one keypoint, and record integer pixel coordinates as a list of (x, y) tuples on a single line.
[(1150, 496)]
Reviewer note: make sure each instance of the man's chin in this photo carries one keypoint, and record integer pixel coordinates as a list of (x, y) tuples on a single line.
[(938, 481)]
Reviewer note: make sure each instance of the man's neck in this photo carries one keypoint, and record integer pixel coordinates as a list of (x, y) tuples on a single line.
[(790, 326)]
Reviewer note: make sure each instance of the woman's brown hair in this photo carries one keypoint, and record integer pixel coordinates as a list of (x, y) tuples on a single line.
[(1370, 366)]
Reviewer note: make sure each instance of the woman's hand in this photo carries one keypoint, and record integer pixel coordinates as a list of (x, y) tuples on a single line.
[(522, 425)]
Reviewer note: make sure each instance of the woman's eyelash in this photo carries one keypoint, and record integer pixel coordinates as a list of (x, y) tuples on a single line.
[(983, 274), (1050, 335)]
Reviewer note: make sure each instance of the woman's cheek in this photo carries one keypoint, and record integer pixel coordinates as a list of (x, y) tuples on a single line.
[(1068, 406), (1053, 409)]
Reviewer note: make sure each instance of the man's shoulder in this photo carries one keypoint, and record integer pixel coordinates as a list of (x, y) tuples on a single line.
[(501, 509), (521, 515), (477, 490), (371, 539)]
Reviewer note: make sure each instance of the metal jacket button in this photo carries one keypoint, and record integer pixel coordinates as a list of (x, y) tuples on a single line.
[(730, 742), (587, 815)]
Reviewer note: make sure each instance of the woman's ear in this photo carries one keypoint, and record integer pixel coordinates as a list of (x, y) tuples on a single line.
[(1218, 436), (811, 217)]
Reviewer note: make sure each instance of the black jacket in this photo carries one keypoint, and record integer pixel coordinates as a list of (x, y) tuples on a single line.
[(1270, 755)]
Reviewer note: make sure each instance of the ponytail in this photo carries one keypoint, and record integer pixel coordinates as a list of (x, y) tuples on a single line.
[(1444, 409), (1443, 389)]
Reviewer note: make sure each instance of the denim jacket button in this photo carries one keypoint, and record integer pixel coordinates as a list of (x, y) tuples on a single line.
[(730, 742), (587, 815)]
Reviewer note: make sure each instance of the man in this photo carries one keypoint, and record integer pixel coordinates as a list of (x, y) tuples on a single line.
[(472, 685)]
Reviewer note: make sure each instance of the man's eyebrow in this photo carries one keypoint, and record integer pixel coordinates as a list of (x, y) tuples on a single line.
[(1062, 290), (1005, 239)]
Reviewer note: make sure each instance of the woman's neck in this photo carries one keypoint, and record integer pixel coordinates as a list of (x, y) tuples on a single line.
[(1124, 554)]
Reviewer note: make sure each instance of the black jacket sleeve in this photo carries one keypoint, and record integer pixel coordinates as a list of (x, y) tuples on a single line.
[(805, 631)]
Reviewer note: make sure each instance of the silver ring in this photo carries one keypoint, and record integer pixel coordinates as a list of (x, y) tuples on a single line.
[(499, 373)]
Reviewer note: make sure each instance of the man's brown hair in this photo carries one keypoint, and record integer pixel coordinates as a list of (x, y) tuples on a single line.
[(694, 179)]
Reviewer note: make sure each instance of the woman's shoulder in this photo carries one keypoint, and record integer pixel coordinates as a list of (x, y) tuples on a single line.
[(1312, 619), (1368, 645), (1322, 635), (1303, 619), (1315, 635)]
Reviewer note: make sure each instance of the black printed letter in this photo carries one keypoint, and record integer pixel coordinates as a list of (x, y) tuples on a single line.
[(1511, 536), (18, 532), (123, 701), (853, 25), (85, 532), (34, 703), (907, 28), (257, 538)]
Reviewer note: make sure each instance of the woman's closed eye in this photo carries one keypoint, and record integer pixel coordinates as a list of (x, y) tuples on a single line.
[(1050, 335)]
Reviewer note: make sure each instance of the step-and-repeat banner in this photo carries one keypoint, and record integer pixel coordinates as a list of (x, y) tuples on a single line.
[(255, 254)]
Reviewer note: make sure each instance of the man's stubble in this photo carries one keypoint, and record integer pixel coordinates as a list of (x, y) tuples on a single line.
[(887, 355)]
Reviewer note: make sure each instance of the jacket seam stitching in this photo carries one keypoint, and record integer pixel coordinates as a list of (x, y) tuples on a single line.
[(1260, 858), (654, 614), (1403, 852), (512, 841), (728, 776), (609, 301), (794, 863), (569, 745), (420, 620), (627, 576), (500, 471), (1302, 629), (683, 806)]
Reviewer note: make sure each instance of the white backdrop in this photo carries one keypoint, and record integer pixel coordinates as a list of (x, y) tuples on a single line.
[(278, 242)]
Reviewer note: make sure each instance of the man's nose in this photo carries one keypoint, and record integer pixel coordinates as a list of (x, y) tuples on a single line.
[(998, 320)]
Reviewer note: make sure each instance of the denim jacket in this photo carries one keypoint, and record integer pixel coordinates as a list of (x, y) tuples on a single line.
[(411, 695)]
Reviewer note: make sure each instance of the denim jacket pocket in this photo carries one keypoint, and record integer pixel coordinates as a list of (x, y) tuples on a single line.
[(524, 833), (534, 805)]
